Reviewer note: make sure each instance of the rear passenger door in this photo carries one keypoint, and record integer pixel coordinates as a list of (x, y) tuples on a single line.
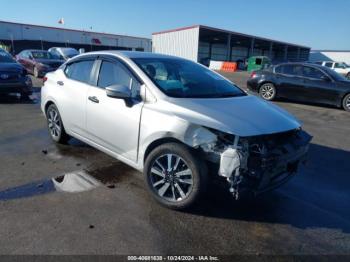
[(113, 123), (76, 86), (290, 81)]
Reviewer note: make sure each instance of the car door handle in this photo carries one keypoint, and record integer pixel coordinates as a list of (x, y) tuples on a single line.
[(60, 83), (94, 99)]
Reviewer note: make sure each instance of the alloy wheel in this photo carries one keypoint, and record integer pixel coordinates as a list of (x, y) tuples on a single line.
[(267, 91), (171, 177), (347, 102), (54, 123)]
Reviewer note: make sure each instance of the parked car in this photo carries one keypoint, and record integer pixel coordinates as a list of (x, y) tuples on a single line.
[(64, 53), (170, 117), (13, 76), (339, 67), (304, 82), (39, 62)]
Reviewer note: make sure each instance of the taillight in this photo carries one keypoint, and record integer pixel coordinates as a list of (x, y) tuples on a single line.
[(253, 75), (44, 79)]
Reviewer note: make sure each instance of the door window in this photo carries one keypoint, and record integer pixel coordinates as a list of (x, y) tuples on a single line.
[(117, 74), (294, 70), (79, 71), (311, 72), (328, 64)]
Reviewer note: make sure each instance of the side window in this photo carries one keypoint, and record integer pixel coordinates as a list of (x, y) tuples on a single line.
[(117, 74), (258, 61), (328, 64), (79, 71), (293, 70), (279, 69), (312, 72)]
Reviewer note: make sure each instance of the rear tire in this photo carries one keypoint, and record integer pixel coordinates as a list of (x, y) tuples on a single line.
[(55, 125), (175, 176), (267, 91), (346, 103)]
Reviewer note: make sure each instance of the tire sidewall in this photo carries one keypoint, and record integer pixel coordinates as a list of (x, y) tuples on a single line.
[(274, 88), (199, 174), (344, 103), (63, 137)]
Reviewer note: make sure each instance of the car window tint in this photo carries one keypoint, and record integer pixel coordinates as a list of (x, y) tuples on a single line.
[(312, 72), (79, 71), (295, 70), (117, 74), (328, 64)]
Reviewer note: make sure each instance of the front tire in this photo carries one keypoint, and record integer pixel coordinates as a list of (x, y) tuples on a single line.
[(348, 76), (175, 176), (55, 125), (346, 103), (267, 91)]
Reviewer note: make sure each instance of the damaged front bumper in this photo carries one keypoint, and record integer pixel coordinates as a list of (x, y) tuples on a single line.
[(259, 163)]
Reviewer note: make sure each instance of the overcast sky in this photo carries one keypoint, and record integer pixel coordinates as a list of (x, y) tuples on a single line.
[(320, 24)]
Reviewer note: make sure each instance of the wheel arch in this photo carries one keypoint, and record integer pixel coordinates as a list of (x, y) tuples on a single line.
[(159, 142)]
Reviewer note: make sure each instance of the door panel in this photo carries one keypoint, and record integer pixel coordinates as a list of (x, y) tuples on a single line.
[(317, 89), (290, 82), (75, 105), (111, 122)]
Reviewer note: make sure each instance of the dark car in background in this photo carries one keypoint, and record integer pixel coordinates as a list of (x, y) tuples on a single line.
[(13, 76), (303, 82), (39, 62)]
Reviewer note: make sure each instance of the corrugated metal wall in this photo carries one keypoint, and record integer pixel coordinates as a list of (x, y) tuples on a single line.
[(183, 43), (13, 31)]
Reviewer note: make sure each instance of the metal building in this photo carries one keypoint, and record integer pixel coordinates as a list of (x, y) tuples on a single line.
[(19, 36), (202, 43)]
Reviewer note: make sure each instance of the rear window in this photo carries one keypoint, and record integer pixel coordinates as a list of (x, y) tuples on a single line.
[(79, 71)]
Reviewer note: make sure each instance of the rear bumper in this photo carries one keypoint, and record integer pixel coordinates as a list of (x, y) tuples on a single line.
[(253, 85)]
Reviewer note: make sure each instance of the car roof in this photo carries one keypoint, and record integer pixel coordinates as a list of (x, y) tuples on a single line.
[(302, 64), (132, 54), (34, 50)]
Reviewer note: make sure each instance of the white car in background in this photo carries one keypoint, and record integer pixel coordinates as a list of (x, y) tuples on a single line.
[(339, 67), (64, 53)]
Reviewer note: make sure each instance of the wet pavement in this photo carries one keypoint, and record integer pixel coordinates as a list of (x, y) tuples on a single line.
[(74, 199)]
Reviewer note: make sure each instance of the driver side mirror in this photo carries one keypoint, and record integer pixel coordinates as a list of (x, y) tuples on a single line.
[(118, 91)]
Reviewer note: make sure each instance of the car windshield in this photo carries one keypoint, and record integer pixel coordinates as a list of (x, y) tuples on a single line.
[(6, 57), (182, 78), (43, 55)]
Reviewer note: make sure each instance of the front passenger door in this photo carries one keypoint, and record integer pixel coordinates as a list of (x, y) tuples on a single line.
[(113, 123)]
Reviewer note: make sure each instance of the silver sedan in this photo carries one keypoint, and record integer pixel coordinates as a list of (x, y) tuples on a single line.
[(173, 119)]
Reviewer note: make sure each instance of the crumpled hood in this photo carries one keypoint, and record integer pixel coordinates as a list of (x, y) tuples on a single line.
[(243, 116)]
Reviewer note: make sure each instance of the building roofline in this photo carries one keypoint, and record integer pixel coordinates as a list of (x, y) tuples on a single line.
[(72, 30), (328, 50), (229, 32)]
